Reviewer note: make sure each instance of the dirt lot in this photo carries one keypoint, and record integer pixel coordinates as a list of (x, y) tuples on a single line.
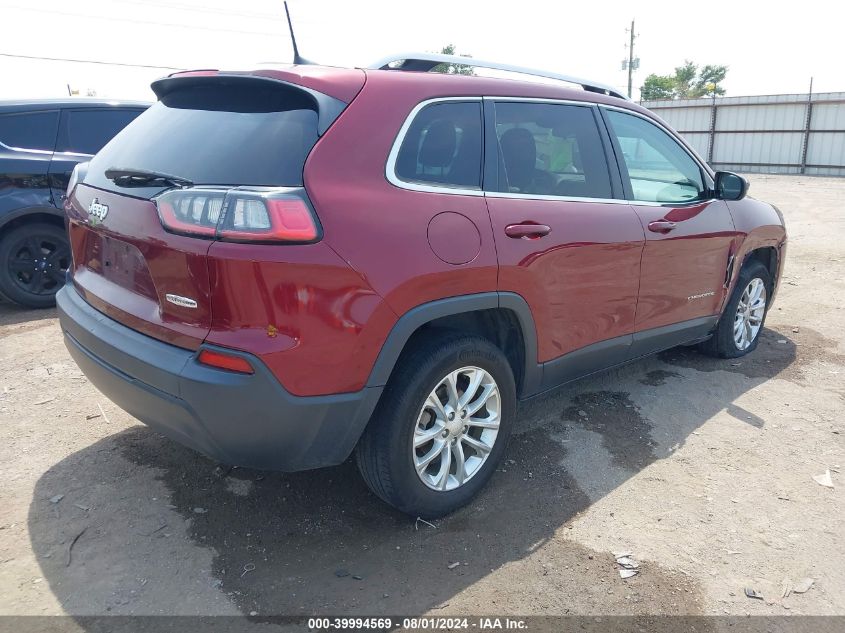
[(703, 470)]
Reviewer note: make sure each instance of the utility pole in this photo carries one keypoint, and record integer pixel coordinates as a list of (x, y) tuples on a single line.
[(631, 60), (632, 63)]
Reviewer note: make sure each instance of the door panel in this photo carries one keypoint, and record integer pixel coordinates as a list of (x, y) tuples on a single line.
[(683, 269), (580, 280), (689, 235), (563, 242)]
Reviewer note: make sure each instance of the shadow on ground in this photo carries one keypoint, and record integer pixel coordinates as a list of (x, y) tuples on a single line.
[(319, 542), (12, 314)]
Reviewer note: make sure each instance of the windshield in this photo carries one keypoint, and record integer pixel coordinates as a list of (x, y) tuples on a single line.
[(215, 135)]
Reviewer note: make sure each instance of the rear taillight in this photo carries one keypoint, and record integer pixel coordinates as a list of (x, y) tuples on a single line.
[(239, 215)]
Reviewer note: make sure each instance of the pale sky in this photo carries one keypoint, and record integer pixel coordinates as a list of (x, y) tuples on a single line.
[(770, 47)]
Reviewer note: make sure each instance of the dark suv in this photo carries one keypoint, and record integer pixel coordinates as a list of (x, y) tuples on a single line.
[(280, 267), (40, 143)]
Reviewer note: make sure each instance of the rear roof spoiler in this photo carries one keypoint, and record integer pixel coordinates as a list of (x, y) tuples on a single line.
[(424, 62), (328, 108)]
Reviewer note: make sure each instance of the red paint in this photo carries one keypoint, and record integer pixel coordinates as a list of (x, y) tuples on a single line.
[(454, 238), (581, 279), (318, 314), (689, 260)]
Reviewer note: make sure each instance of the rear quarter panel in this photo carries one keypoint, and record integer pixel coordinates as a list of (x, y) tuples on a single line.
[(381, 230)]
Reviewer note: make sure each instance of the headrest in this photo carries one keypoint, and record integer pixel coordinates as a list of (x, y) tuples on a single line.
[(438, 146)]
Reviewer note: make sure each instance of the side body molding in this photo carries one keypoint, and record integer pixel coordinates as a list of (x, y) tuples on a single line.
[(422, 314)]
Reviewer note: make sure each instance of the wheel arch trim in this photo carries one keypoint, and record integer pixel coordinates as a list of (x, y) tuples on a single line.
[(420, 315), (22, 212)]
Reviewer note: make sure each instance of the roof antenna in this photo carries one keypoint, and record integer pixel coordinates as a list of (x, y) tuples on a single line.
[(297, 58)]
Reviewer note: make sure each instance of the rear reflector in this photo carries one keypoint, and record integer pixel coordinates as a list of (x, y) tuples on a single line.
[(239, 215), (221, 360)]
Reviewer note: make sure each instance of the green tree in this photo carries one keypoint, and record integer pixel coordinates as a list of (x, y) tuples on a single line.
[(657, 87), (688, 82), (453, 69), (684, 79), (708, 81)]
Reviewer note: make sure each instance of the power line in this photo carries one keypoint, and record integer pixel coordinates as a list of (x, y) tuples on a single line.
[(200, 9), (136, 21), (88, 61)]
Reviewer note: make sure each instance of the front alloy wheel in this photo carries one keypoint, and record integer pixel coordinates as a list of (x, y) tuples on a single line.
[(738, 330), (749, 314)]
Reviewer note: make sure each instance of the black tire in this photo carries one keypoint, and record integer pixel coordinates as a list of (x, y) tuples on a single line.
[(33, 261), (722, 343), (384, 453)]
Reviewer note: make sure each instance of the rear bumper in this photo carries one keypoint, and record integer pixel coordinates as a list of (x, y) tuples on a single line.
[(237, 419)]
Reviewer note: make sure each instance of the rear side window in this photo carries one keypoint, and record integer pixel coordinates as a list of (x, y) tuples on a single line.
[(550, 149), (659, 169), (87, 131), (217, 134), (29, 130), (443, 146)]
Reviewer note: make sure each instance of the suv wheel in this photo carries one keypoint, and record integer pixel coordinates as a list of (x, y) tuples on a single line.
[(33, 261), (441, 426), (739, 328)]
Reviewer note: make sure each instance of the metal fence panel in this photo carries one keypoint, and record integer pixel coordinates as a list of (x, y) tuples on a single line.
[(828, 116), (699, 142), (756, 149), (795, 133), (686, 118), (763, 117), (826, 149)]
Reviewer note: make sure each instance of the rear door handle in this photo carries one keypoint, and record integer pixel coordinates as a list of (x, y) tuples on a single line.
[(527, 230), (661, 226)]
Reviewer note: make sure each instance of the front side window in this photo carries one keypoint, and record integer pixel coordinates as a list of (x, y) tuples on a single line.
[(659, 169), (550, 149), (29, 130), (442, 146)]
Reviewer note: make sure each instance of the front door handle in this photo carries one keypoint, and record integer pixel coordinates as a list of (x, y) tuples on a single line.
[(527, 230), (661, 226)]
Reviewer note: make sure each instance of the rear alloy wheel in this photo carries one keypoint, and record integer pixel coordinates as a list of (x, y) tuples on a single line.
[(442, 424), (34, 259), (739, 328), (457, 428)]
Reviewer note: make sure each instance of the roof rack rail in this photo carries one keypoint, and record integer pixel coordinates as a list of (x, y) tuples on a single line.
[(424, 62)]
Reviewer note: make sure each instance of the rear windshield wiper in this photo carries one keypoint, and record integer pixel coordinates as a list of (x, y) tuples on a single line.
[(141, 177)]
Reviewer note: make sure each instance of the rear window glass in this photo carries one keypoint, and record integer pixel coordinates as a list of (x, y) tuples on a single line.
[(30, 130), (443, 146), (215, 134), (86, 131), (551, 149)]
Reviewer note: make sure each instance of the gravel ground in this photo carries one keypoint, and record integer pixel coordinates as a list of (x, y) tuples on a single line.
[(701, 469)]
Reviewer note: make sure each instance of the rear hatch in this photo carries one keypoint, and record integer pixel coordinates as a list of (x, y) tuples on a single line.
[(218, 157)]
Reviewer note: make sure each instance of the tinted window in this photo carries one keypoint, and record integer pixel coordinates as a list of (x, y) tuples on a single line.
[(551, 149), (217, 135), (31, 130), (660, 170), (443, 146), (87, 131)]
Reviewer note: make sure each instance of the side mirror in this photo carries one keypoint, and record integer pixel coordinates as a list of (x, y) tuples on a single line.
[(730, 186)]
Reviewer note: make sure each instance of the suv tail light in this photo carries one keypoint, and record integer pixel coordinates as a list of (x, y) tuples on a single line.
[(239, 215)]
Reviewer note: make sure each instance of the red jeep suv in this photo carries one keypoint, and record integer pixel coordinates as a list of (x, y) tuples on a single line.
[(282, 267)]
